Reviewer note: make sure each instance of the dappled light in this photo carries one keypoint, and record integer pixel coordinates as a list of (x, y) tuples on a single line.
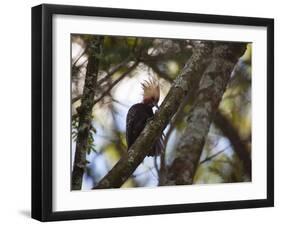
[(124, 64)]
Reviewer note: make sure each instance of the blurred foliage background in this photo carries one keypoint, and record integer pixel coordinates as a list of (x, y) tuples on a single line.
[(125, 62)]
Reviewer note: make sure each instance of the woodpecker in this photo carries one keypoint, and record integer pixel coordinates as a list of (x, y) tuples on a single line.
[(139, 114)]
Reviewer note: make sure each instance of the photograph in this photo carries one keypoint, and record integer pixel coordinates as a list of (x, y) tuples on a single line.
[(141, 112), (153, 111)]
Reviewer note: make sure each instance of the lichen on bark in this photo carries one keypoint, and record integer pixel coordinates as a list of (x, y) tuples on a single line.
[(84, 112)]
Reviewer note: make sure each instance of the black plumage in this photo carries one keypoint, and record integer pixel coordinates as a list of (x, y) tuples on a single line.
[(137, 117)]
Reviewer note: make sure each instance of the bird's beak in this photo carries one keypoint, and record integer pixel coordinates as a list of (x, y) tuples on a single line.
[(156, 105)]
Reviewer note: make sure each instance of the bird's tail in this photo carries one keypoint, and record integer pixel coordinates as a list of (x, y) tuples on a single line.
[(158, 147)]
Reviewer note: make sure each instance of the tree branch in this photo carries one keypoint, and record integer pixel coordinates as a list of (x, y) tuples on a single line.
[(239, 146), (161, 74), (209, 158), (79, 57), (190, 74), (129, 70), (211, 89), (106, 92), (85, 113), (109, 74), (74, 99), (115, 69)]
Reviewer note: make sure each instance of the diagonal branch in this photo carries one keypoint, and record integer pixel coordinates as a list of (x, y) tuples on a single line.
[(160, 73), (239, 146), (209, 158), (106, 92), (211, 89), (190, 75), (122, 64), (109, 74), (116, 68), (79, 57), (113, 71)]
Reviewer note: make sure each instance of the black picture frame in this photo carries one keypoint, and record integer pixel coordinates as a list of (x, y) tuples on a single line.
[(42, 111)]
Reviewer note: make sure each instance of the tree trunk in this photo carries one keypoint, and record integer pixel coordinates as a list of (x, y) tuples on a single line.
[(85, 113), (189, 76), (210, 92)]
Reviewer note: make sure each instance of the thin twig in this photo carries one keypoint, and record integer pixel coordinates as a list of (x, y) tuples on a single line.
[(74, 99), (78, 58), (161, 74), (156, 165), (151, 171), (114, 70), (78, 97), (209, 158), (106, 92), (120, 65)]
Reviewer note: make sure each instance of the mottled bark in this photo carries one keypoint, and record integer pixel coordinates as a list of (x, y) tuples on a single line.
[(85, 113), (189, 76), (210, 92), (238, 145)]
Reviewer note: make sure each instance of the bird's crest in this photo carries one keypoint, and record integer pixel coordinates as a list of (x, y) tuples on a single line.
[(151, 91)]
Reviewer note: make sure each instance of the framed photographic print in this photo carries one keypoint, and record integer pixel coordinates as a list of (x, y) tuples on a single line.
[(146, 112)]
